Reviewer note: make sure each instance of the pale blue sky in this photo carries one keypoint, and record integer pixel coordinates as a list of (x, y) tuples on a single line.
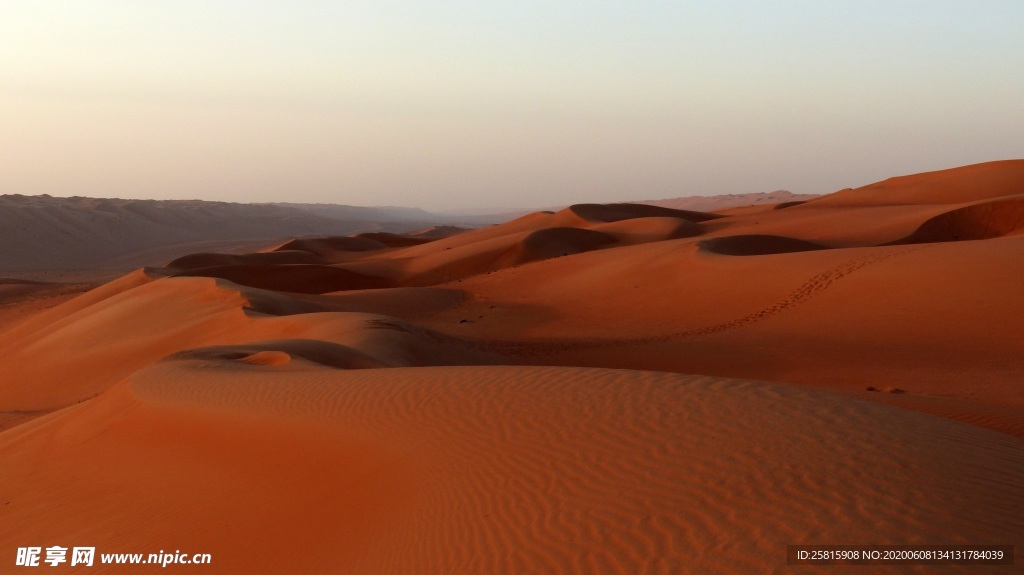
[(499, 104)]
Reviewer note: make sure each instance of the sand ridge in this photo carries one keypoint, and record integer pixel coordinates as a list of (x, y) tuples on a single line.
[(521, 398)]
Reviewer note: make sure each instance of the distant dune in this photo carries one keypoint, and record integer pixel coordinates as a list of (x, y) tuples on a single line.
[(415, 216), (48, 233), (726, 201), (606, 388), (45, 233), (686, 203)]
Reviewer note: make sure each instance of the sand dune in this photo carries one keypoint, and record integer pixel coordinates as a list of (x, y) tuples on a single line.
[(396, 240), (554, 242), (21, 299), (757, 245), (281, 352), (650, 229), (576, 229), (722, 203), (978, 221), (142, 320), (48, 233), (954, 186), (298, 278), (728, 202), (437, 232), (499, 470), (276, 257), (596, 213), (519, 398), (331, 246)]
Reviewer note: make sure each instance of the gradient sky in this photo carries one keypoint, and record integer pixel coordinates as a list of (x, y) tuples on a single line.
[(462, 104)]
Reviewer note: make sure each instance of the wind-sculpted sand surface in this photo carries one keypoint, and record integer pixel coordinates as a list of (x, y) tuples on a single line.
[(604, 389)]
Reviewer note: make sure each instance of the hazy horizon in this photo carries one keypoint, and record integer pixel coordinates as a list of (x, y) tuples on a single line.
[(463, 106)]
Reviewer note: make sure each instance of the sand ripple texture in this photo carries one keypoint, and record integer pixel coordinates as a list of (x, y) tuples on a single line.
[(574, 470)]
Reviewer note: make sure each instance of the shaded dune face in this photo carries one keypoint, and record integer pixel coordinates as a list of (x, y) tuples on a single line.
[(281, 352), (650, 229), (757, 245), (784, 205), (435, 232), (612, 250), (398, 240), (519, 398), (268, 357), (297, 278), (277, 257), (554, 242), (980, 221), (325, 247), (602, 213)]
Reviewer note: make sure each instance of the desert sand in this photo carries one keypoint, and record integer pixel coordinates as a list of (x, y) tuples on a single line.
[(729, 201), (617, 388)]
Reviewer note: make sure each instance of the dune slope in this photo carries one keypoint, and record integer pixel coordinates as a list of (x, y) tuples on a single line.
[(522, 398), (497, 470)]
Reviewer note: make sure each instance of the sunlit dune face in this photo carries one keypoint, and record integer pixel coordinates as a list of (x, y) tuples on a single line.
[(519, 398)]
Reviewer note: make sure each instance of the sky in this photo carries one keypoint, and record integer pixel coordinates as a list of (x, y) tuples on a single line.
[(468, 105)]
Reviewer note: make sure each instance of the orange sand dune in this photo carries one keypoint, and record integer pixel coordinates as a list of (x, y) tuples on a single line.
[(978, 221), (757, 245), (20, 299), (540, 236), (437, 232), (848, 226), (272, 466), (939, 320), (636, 291), (587, 216), (597, 213), (276, 257), (554, 242), (395, 240), (650, 229), (105, 342), (298, 278), (954, 186), (326, 247), (279, 409)]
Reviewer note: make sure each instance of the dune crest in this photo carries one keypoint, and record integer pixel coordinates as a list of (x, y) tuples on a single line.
[(972, 183), (521, 398)]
